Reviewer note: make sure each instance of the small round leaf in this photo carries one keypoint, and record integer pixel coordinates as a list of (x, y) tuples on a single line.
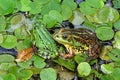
[(48, 74), (10, 76), (104, 33), (107, 69), (84, 69), (9, 42)]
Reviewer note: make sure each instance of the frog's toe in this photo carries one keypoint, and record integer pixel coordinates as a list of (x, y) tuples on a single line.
[(67, 55)]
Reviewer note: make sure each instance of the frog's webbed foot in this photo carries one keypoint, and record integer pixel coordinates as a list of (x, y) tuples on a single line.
[(69, 55)]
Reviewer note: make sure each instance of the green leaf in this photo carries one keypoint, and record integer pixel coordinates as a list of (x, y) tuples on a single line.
[(115, 54), (1, 78), (2, 23), (6, 6), (52, 18), (116, 73), (66, 12), (104, 33), (9, 42), (25, 5), (25, 74), (48, 74), (86, 9), (105, 52), (79, 58), (84, 69), (77, 18), (66, 63), (6, 66), (117, 24), (55, 15), (35, 7), (106, 77), (116, 3), (14, 70), (10, 76), (1, 38), (16, 19), (50, 22), (106, 68), (43, 1), (116, 42), (6, 58), (39, 62), (97, 3), (25, 64), (26, 43), (107, 14), (52, 5), (71, 4), (21, 32)]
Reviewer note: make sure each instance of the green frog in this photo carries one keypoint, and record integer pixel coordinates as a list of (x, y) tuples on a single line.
[(78, 41)]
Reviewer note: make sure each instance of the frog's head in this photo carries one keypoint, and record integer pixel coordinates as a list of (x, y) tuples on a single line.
[(62, 37)]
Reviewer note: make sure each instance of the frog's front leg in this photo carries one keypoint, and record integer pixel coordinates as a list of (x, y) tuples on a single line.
[(70, 52)]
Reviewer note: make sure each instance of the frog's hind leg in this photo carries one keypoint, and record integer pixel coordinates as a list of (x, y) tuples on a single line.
[(70, 54)]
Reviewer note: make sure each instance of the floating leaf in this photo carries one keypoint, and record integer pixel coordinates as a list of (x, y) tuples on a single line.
[(115, 74), (105, 52), (66, 12), (39, 62), (25, 74), (97, 3), (78, 18), (6, 66), (115, 54), (2, 23), (116, 42), (25, 64), (21, 32), (1, 38), (6, 6), (35, 7), (84, 69), (16, 19), (116, 3), (9, 42), (107, 14), (106, 68), (14, 70), (24, 44), (49, 72), (104, 33), (117, 24), (71, 4), (68, 64), (86, 9), (55, 15), (52, 5), (25, 5), (10, 76), (6, 58)]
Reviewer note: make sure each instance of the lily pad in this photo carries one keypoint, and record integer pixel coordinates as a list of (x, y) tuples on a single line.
[(48, 74), (6, 58), (106, 68), (84, 69), (104, 33), (9, 42)]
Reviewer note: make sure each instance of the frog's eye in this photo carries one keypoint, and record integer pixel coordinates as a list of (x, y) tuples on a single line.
[(64, 36)]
